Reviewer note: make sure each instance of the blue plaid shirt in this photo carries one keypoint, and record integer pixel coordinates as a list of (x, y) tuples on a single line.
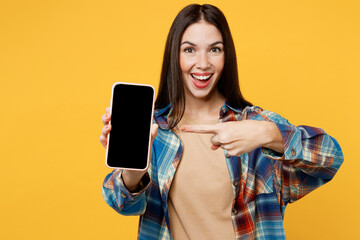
[(263, 181)]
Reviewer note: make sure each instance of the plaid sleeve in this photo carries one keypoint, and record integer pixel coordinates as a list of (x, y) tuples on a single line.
[(120, 199), (311, 158)]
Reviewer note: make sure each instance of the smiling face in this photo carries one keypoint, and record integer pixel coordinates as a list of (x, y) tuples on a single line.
[(201, 60)]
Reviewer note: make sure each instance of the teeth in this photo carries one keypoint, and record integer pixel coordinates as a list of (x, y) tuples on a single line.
[(201, 77)]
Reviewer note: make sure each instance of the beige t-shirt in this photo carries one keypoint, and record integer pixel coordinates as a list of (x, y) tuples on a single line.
[(200, 197)]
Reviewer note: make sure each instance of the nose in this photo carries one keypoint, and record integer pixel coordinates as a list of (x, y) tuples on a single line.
[(203, 61)]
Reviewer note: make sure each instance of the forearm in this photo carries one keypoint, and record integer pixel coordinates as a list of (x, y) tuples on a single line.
[(307, 148)]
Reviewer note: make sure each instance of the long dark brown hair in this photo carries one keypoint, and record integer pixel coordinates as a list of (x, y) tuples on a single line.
[(171, 89)]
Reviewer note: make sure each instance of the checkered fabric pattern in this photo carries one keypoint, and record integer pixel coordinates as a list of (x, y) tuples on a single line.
[(263, 181)]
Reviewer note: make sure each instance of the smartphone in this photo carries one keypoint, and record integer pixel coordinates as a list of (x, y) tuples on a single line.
[(129, 141)]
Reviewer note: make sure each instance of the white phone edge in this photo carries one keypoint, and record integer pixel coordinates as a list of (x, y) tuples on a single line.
[(151, 122)]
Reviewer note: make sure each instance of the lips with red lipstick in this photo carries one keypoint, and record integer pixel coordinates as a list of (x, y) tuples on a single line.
[(201, 80)]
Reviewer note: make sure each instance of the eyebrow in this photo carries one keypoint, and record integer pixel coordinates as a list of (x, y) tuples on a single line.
[(193, 44)]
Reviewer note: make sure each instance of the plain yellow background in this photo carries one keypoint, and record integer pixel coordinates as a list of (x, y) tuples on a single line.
[(59, 59)]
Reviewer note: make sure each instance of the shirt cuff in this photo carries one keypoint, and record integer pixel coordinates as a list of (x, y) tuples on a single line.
[(291, 136), (125, 193)]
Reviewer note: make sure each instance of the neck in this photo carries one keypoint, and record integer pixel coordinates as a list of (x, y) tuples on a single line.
[(203, 108)]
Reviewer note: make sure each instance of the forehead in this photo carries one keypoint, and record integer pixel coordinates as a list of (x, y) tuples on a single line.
[(201, 32)]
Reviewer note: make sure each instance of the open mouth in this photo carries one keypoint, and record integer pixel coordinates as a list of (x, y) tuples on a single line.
[(201, 80), (201, 77)]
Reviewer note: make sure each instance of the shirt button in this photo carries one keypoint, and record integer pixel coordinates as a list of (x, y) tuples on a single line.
[(293, 152), (123, 195), (234, 211), (235, 183)]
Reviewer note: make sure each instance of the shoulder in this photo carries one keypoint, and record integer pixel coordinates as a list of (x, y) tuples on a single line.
[(257, 113)]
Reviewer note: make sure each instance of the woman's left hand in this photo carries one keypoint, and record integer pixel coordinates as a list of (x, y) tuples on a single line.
[(241, 137)]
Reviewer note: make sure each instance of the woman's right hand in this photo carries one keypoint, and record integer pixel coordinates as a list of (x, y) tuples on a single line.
[(107, 127), (131, 178)]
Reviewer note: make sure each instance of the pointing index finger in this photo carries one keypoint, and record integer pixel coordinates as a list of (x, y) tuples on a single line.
[(200, 128)]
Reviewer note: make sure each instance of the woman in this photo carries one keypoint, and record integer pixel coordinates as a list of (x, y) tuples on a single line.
[(191, 190)]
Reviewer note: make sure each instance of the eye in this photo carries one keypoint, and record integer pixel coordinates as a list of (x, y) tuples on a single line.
[(189, 50), (215, 50)]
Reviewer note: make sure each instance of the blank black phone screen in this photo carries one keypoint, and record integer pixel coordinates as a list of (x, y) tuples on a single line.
[(130, 126)]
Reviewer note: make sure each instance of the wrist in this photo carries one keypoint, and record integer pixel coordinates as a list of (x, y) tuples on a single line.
[(273, 137), (132, 179)]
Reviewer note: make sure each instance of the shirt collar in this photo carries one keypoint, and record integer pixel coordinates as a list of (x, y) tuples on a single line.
[(223, 110), (161, 116), (226, 107), (162, 111), (226, 111)]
